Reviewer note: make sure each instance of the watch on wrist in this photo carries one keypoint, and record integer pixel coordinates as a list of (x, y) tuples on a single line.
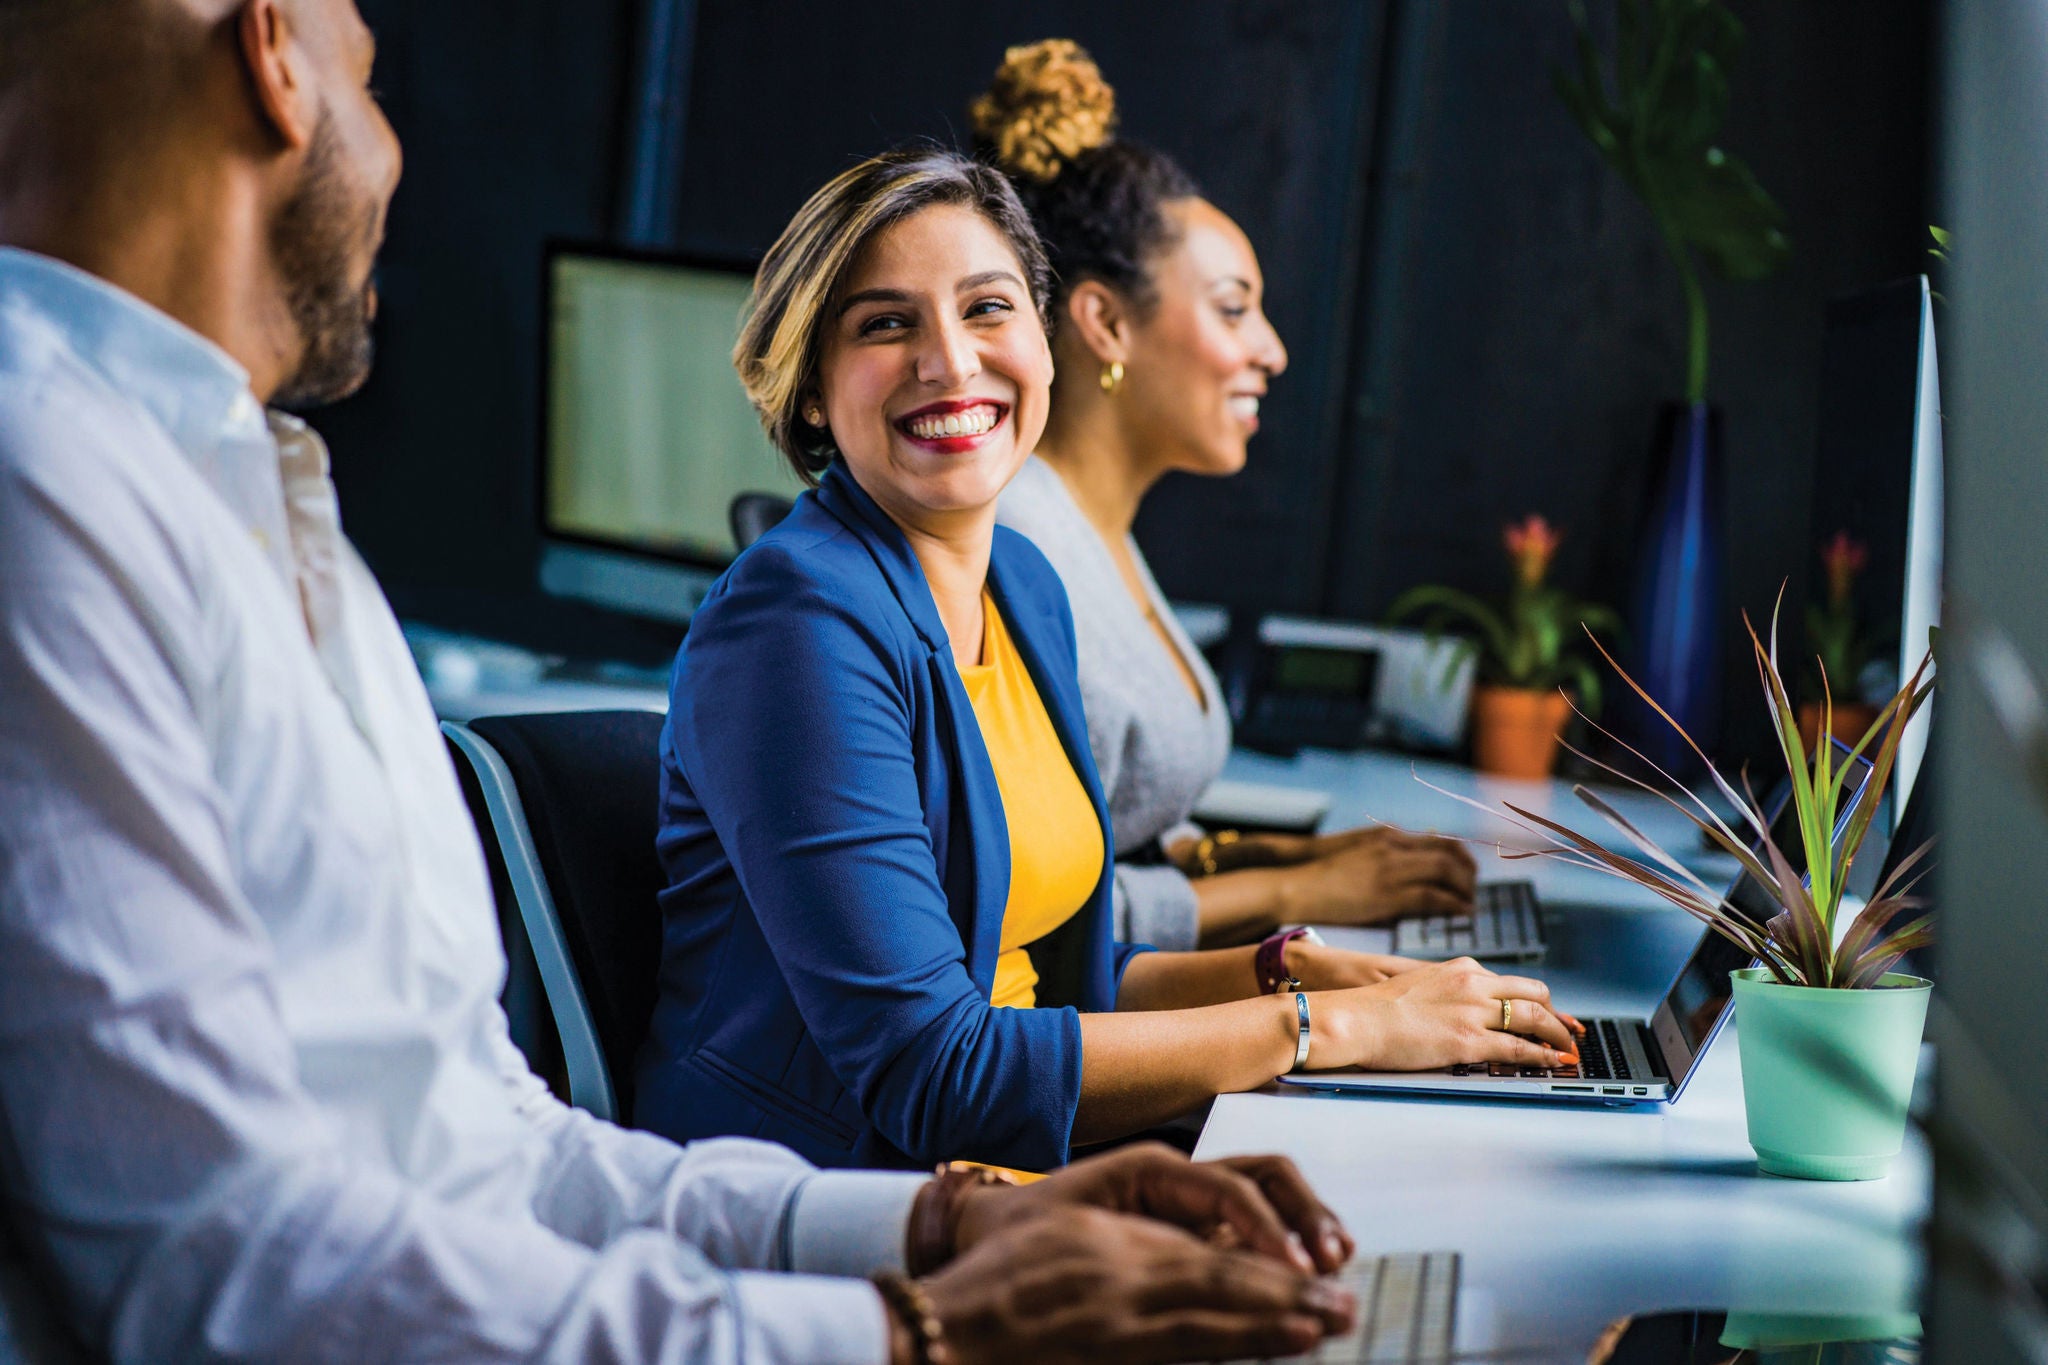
[(1270, 962), (935, 1216)]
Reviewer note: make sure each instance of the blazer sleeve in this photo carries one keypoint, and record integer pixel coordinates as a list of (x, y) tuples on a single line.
[(792, 724)]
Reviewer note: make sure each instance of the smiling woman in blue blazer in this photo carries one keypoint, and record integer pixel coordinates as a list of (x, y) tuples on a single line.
[(879, 817)]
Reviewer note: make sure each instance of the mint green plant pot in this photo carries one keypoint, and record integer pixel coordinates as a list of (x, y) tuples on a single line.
[(1827, 1074)]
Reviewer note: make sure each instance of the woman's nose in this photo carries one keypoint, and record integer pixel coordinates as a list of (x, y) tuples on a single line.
[(950, 359), (1271, 351)]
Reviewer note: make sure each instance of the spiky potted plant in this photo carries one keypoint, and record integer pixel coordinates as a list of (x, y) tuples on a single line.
[(1527, 651), (1829, 1034)]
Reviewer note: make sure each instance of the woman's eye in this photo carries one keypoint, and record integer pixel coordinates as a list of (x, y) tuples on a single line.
[(1233, 313), (987, 307), (885, 322)]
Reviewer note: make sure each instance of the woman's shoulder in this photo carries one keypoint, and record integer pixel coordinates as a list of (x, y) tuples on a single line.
[(805, 574)]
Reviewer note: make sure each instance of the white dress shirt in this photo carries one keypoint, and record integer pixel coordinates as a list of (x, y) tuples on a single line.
[(257, 1097)]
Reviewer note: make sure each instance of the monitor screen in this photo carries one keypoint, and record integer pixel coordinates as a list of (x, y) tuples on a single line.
[(1702, 989), (648, 434)]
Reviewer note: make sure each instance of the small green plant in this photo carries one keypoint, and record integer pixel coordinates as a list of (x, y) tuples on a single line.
[(1530, 640), (1658, 130), (1798, 943), (1834, 629)]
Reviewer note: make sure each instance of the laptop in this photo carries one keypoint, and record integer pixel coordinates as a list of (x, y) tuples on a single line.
[(1628, 1061), (1505, 924)]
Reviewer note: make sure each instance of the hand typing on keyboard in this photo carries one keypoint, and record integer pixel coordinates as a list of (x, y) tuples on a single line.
[(1438, 1015), (1364, 876)]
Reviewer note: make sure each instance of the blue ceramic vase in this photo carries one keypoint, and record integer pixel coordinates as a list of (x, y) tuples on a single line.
[(1675, 625)]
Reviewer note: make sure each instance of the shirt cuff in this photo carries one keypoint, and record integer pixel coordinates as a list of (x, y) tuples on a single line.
[(1157, 906), (810, 1320), (851, 1222)]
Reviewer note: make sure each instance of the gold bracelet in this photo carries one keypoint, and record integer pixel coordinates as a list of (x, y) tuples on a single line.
[(1205, 851), (913, 1308)]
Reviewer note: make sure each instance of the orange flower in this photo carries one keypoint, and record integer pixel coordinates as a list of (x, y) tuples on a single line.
[(1843, 558), (1530, 545)]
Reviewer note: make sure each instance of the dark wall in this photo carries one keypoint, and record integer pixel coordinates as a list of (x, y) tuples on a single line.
[(511, 113), (1539, 322), (1480, 320)]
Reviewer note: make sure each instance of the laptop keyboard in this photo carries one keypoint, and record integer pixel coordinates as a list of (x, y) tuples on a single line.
[(1601, 1058), (1407, 1308), (1504, 923)]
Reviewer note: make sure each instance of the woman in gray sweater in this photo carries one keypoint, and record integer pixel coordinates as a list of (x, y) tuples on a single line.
[(1162, 354)]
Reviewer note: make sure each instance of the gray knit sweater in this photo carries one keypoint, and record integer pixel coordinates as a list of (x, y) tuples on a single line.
[(1156, 747)]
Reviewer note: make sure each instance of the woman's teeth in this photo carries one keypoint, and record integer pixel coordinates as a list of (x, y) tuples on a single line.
[(972, 422), (1244, 405)]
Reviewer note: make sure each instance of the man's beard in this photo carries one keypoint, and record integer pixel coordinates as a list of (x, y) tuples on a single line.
[(314, 245)]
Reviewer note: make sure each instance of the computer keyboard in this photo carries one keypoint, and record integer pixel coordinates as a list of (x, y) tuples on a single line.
[(1504, 922), (1601, 1058), (1407, 1309)]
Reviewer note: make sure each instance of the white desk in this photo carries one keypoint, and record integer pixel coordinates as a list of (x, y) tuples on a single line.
[(1570, 1217)]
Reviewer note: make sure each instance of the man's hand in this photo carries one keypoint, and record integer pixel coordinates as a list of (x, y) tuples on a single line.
[(1257, 1202), (1078, 1284)]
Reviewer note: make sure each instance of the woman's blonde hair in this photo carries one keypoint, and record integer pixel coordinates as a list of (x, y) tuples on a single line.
[(782, 336)]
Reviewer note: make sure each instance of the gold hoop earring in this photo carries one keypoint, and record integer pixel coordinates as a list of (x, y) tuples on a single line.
[(1112, 376)]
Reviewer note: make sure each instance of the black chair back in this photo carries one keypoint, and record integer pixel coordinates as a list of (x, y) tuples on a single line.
[(753, 515), (589, 781)]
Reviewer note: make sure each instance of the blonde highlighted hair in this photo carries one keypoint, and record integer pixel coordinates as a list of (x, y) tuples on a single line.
[(782, 336)]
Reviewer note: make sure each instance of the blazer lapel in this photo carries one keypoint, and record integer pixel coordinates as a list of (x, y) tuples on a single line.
[(1036, 632), (987, 841)]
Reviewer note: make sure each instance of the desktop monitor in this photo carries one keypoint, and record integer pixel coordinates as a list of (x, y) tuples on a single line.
[(1878, 477), (646, 433)]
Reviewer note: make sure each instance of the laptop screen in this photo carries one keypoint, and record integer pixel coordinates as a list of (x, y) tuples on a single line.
[(1700, 994)]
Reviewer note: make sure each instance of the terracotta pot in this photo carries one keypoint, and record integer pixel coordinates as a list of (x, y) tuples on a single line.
[(1515, 730), (1852, 718)]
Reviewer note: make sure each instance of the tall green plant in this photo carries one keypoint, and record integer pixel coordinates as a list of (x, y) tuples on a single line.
[(1657, 129)]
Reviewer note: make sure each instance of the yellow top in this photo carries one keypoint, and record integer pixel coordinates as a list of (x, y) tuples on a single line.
[(1055, 839)]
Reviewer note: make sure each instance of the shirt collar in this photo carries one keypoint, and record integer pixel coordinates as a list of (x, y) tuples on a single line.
[(192, 387)]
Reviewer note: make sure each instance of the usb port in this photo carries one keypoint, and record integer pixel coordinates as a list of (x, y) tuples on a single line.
[(1615, 1090), (1576, 1089), (1642, 1090)]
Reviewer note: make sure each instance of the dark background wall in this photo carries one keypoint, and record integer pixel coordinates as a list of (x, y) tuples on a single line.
[(1480, 320)]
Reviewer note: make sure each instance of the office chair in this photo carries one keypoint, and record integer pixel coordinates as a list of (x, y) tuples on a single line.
[(569, 799), (752, 515)]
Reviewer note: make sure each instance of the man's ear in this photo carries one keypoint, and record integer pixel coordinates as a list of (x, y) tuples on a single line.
[(279, 76), (1100, 318)]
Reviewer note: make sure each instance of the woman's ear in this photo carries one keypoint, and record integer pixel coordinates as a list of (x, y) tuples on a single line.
[(1100, 320)]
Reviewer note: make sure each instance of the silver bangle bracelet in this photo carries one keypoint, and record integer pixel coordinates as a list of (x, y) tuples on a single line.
[(1301, 1040)]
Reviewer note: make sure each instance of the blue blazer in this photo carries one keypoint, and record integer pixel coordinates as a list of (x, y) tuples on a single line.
[(838, 864)]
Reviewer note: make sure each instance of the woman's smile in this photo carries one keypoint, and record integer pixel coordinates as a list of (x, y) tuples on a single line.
[(953, 427)]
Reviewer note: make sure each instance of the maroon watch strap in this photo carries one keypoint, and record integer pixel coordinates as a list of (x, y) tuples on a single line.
[(1271, 962)]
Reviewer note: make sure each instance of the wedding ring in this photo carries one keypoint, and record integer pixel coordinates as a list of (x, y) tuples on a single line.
[(1507, 1016)]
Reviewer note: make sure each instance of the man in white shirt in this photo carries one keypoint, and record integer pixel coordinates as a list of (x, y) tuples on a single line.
[(257, 1099)]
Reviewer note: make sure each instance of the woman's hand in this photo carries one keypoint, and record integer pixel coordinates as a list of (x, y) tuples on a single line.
[(1375, 875), (1437, 1016), (1319, 967), (1084, 1284), (1261, 1203)]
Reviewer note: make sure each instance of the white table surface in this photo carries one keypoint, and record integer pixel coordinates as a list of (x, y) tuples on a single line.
[(1571, 1216)]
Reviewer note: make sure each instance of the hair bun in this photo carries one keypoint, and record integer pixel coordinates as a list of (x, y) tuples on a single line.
[(1047, 105)]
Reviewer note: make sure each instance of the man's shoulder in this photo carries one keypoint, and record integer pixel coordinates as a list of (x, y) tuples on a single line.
[(81, 467)]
